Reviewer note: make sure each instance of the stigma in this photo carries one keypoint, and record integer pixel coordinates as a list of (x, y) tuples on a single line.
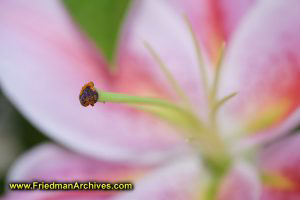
[(88, 95)]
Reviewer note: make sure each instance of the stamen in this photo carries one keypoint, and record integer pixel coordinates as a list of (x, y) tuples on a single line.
[(210, 143), (190, 126), (221, 102), (167, 73), (215, 85), (215, 107), (201, 65), (136, 100), (88, 95), (214, 90), (123, 98)]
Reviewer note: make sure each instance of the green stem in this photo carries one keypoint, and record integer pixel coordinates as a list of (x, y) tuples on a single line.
[(218, 173), (123, 98)]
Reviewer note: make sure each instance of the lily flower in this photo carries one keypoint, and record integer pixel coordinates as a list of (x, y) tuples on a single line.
[(179, 121)]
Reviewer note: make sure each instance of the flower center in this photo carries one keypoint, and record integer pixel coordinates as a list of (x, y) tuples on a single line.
[(204, 137)]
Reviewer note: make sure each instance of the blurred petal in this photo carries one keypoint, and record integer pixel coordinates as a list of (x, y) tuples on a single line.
[(162, 26), (282, 161), (215, 20), (49, 162), (263, 66), (177, 180), (241, 183), (44, 63)]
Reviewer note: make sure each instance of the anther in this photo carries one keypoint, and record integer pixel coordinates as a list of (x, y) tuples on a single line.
[(88, 95)]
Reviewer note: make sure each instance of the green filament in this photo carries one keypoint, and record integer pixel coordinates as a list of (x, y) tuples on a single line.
[(201, 65), (167, 73), (216, 81), (163, 105)]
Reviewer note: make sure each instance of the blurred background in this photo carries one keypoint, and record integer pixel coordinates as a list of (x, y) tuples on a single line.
[(101, 20), (16, 136)]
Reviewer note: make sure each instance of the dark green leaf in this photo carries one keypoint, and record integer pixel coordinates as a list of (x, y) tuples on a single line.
[(101, 20)]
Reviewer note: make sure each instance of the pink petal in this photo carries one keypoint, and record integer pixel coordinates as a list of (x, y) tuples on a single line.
[(283, 159), (177, 180), (215, 20), (240, 183), (44, 63), (49, 162), (263, 66), (162, 26)]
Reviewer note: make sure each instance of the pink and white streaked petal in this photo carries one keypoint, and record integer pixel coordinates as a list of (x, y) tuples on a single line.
[(44, 63), (51, 163), (215, 21), (263, 65), (180, 180), (241, 182), (162, 26), (282, 159), (48, 163)]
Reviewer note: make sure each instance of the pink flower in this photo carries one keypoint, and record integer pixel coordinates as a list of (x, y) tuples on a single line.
[(45, 60)]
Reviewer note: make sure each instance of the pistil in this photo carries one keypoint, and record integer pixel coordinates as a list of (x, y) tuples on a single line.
[(90, 95)]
